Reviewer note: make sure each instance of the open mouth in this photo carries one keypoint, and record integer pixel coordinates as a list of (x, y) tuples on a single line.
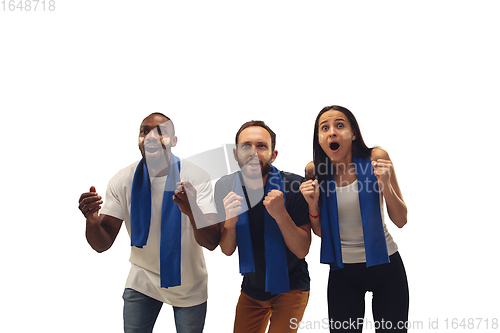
[(152, 148), (254, 164), (334, 146)]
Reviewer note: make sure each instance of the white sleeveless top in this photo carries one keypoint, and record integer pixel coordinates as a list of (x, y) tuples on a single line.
[(350, 225)]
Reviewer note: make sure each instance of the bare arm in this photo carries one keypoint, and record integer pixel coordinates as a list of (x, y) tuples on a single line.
[(388, 183), (206, 231), (209, 235), (297, 239), (310, 191), (232, 205), (102, 235), (228, 241), (101, 230)]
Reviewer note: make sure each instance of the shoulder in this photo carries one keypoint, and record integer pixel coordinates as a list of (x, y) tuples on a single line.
[(291, 176), (191, 170), (228, 179), (120, 185), (225, 183), (292, 182), (197, 177), (188, 166), (379, 154), (309, 171)]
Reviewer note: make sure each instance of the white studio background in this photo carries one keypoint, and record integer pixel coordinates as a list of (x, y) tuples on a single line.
[(422, 78)]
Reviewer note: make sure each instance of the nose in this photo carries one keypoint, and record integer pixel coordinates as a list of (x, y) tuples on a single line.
[(154, 134), (253, 151), (332, 132)]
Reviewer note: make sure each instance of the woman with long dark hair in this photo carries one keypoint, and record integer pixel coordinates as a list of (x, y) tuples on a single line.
[(347, 185)]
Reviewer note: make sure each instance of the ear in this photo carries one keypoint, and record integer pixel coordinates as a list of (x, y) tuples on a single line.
[(235, 154), (173, 143), (274, 155)]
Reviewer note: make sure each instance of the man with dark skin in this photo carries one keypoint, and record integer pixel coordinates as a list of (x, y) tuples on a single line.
[(144, 296)]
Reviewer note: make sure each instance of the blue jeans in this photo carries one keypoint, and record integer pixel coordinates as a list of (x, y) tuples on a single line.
[(140, 313)]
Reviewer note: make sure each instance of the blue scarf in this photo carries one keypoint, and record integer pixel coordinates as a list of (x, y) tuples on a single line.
[(371, 216), (277, 280), (140, 220)]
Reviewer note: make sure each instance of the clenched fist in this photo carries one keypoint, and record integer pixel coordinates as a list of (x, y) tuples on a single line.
[(185, 196), (232, 205), (310, 191), (275, 203), (383, 170), (90, 204)]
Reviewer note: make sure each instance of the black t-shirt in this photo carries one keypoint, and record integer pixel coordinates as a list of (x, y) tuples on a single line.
[(254, 284)]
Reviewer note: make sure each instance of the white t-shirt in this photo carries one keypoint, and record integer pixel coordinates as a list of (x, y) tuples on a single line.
[(351, 226), (144, 275)]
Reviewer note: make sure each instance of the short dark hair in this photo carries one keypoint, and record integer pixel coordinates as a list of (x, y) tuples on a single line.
[(161, 114), (259, 123)]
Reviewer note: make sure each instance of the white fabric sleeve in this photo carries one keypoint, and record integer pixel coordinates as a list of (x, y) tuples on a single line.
[(200, 179), (113, 205)]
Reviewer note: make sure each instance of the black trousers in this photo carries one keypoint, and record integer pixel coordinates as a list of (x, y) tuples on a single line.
[(346, 296)]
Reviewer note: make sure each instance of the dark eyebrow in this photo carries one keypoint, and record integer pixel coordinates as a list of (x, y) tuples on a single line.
[(336, 119), (249, 142), (157, 126)]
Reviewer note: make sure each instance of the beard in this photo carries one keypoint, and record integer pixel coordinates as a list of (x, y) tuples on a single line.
[(265, 167), (156, 161)]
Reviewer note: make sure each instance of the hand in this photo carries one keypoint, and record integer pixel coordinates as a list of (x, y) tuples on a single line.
[(232, 205), (310, 191), (90, 204), (184, 197), (275, 204), (383, 170)]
